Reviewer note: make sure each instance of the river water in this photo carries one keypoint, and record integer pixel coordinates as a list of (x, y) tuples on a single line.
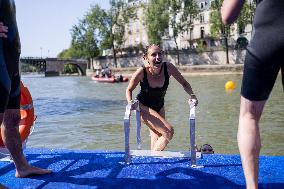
[(78, 113)]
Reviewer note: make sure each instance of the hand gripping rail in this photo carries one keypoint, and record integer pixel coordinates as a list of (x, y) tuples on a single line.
[(129, 108), (135, 106)]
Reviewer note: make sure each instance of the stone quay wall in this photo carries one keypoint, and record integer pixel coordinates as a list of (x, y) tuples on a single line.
[(186, 59)]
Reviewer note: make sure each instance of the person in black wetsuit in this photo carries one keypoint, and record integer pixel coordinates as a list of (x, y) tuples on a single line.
[(154, 80), (10, 89), (264, 59)]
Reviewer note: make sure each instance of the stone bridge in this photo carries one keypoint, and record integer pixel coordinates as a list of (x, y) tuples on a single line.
[(54, 66)]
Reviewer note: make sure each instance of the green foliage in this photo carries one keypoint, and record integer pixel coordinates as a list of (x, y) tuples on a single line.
[(157, 20), (69, 69), (98, 30), (29, 68), (110, 25), (186, 13), (84, 40), (162, 14), (217, 28), (200, 45), (99, 20), (121, 14), (246, 15), (68, 54), (182, 13)]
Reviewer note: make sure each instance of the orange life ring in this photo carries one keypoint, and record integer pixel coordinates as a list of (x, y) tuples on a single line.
[(27, 114)]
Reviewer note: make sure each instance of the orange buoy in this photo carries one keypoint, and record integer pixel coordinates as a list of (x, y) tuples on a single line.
[(27, 114)]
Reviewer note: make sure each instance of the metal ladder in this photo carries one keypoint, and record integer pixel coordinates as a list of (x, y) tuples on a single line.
[(135, 107)]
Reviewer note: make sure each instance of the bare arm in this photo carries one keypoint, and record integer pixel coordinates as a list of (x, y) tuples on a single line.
[(177, 75), (135, 79), (230, 10)]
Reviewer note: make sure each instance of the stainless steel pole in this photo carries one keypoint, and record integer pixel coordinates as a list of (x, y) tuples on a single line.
[(138, 125), (127, 156), (192, 132)]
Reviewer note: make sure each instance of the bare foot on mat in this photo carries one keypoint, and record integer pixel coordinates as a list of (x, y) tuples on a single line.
[(30, 171)]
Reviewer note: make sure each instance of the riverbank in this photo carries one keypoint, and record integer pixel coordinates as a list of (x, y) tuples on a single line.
[(194, 69)]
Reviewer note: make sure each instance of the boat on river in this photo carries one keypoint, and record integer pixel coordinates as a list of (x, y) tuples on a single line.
[(112, 79)]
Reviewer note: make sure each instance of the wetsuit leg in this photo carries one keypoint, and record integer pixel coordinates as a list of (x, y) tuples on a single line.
[(9, 81), (5, 81), (265, 53)]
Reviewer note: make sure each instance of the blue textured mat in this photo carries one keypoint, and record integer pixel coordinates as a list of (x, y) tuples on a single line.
[(103, 169)]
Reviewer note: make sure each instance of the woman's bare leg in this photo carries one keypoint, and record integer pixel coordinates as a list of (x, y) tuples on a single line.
[(154, 135), (154, 138), (11, 137), (162, 131)]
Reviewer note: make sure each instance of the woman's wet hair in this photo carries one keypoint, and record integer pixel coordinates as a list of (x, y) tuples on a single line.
[(148, 47)]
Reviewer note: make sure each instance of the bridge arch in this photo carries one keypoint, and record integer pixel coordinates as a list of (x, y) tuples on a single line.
[(80, 71), (54, 66)]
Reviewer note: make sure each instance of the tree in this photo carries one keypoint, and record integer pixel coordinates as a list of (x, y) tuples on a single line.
[(157, 20), (217, 28), (182, 13), (246, 15), (83, 44), (65, 54), (111, 24)]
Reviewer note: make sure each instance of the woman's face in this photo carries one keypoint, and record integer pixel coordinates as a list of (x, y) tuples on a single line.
[(154, 56)]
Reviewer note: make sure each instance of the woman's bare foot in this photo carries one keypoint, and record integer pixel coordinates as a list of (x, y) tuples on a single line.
[(31, 170)]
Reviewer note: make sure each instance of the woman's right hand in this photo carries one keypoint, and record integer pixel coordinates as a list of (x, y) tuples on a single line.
[(134, 104)]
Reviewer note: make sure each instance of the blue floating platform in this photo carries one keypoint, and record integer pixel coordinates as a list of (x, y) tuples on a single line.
[(105, 169)]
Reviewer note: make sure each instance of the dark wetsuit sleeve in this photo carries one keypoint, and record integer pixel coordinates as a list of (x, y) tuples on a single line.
[(9, 59)]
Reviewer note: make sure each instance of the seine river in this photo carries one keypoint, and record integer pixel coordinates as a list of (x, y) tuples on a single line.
[(78, 113)]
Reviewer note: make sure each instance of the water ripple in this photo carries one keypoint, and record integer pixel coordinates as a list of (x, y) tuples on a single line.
[(58, 106)]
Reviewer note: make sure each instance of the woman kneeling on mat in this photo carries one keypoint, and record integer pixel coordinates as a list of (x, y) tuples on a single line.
[(153, 77)]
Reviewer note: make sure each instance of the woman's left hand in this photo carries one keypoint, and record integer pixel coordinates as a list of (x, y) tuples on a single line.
[(193, 98)]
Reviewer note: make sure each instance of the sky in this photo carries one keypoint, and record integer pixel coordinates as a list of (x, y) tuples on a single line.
[(44, 25)]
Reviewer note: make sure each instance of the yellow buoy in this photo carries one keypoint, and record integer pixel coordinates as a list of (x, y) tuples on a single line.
[(230, 86)]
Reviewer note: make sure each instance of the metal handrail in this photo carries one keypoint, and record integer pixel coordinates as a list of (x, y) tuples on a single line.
[(192, 105), (132, 106), (135, 106)]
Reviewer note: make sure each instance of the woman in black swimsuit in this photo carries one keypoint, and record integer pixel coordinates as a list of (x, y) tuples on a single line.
[(154, 80)]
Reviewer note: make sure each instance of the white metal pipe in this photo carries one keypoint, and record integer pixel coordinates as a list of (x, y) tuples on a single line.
[(127, 157), (192, 132)]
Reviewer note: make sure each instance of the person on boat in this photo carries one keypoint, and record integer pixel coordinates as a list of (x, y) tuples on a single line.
[(107, 72), (264, 59), (10, 90), (154, 77), (98, 73)]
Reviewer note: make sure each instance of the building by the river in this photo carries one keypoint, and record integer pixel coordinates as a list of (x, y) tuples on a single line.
[(136, 34)]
